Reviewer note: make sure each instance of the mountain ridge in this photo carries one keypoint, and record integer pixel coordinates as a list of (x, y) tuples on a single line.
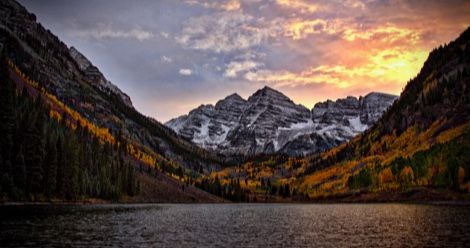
[(421, 141), (70, 92), (69, 76), (235, 125), (93, 74), (417, 151)]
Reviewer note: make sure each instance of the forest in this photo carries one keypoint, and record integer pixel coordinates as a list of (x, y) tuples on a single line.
[(43, 158)]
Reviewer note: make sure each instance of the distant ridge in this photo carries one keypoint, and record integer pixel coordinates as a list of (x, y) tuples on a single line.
[(270, 122)]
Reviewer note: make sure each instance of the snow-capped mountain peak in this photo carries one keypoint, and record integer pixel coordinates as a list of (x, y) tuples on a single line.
[(268, 122)]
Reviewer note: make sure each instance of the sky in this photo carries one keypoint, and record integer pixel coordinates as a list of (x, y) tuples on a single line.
[(171, 56)]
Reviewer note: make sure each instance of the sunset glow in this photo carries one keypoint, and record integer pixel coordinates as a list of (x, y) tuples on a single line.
[(168, 55)]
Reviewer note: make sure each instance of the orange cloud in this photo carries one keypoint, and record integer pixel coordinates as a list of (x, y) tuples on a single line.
[(389, 66), (387, 33), (300, 29), (301, 5), (332, 49)]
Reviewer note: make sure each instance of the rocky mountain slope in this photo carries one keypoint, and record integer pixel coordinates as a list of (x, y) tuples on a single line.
[(70, 77), (269, 122), (93, 74), (421, 142)]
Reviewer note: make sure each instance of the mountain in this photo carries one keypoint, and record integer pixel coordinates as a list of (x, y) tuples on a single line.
[(418, 149), (68, 133), (76, 95), (68, 75), (269, 122)]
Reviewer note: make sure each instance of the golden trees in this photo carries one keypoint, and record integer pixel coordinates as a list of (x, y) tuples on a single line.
[(72, 118), (407, 175), (386, 176)]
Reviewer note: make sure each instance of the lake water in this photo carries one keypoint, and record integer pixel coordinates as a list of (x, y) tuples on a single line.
[(236, 225)]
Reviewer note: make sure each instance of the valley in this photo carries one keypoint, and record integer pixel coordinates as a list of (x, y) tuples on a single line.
[(70, 135)]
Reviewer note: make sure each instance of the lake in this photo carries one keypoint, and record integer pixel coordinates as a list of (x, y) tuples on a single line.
[(236, 225)]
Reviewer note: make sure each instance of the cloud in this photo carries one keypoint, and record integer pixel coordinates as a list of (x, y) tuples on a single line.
[(234, 67), (165, 34), (302, 5), (300, 29), (288, 78), (222, 32), (228, 5), (103, 32), (306, 7), (354, 4), (389, 66), (185, 72), (349, 31), (387, 33), (320, 48), (167, 59)]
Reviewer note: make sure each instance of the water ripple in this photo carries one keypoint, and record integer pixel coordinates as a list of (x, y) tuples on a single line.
[(236, 225)]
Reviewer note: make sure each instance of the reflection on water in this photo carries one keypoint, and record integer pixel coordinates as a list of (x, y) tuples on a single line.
[(231, 225)]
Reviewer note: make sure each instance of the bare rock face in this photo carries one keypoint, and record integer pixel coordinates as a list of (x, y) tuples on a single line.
[(373, 105), (270, 122), (94, 75), (49, 52)]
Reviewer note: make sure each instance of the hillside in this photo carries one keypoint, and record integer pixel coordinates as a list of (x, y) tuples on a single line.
[(418, 150), (421, 141), (47, 156), (65, 73), (74, 97)]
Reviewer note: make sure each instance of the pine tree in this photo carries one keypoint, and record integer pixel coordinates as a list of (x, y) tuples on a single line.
[(180, 172), (61, 164), (7, 113), (19, 171), (286, 191), (71, 168), (48, 157), (130, 181), (34, 153), (50, 168)]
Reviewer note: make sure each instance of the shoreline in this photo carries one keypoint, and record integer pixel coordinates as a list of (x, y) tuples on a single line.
[(428, 196), (319, 202)]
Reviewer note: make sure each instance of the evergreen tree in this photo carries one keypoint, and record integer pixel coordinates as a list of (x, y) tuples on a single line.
[(71, 168), (47, 157), (50, 168), (7, 113), (281, 191), (19, 171), (34, 153), (180, 172), (61, 164), (286, 190)]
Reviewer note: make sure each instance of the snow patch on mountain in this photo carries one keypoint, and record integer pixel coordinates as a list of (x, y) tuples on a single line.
[(270, 122), (357, 125)]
